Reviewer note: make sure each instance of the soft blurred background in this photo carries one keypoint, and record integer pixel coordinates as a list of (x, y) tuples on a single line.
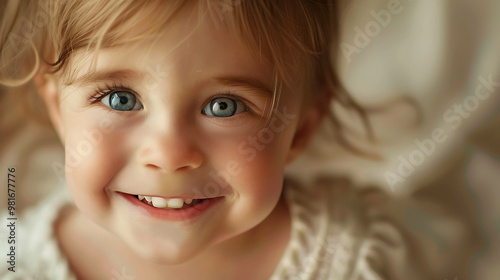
[(417, 63)]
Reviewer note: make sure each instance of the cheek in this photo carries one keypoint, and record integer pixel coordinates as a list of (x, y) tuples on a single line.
[(261, 176), (254, 156), (253, 165), (93, 153)]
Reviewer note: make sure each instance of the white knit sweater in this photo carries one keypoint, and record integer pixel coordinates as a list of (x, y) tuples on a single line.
[(337, 233)]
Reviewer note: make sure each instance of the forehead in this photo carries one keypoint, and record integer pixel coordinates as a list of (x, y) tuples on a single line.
[(187, 45)]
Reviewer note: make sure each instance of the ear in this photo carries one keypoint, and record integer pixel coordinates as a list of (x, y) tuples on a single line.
[(48, 90), (312, 116)]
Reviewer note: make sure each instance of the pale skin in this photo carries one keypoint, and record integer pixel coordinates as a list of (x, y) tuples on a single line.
[(167, 146)]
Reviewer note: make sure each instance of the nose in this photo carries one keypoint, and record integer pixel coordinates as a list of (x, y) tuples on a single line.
[(169, 152)]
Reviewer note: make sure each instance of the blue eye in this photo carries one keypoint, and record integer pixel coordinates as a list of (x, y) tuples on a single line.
[(223, 107), (122, 101)]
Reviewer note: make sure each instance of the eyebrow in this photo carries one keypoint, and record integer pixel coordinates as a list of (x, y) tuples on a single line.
[(126, 74), (97, 76), (246, 82)]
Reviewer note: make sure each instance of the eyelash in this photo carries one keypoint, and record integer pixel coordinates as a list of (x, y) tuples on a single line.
[(229, 94), (101, 92)]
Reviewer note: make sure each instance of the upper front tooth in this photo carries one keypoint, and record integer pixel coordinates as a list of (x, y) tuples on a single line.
[(188, 201), (160, 202), (174, 202)]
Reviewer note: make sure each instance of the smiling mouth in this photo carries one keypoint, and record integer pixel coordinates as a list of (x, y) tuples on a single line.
[(169, 203)]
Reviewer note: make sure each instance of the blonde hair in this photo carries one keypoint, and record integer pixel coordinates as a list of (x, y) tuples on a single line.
[(296, 37)]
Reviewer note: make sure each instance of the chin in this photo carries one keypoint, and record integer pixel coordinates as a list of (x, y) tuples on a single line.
[(168, 255)]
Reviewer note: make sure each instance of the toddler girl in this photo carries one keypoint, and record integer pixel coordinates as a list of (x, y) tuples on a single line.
[(178, 119)]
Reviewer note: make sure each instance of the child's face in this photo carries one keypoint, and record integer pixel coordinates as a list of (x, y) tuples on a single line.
[(199, 111)]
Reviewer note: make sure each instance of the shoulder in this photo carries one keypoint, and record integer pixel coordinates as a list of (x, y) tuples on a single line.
[(350, 233), (385, 248), (37, 253), (323, 230)]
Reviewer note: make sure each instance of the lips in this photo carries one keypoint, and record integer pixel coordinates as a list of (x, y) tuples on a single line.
[(170, 208)]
